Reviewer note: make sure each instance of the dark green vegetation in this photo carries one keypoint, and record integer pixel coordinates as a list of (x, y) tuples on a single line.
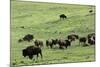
[(42, 20)]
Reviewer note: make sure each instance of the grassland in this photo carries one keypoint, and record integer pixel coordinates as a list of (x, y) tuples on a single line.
[(42, 20)]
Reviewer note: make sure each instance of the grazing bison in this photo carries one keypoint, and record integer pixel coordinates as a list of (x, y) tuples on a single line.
[(90, 11), (38, 43), (91, 38), (91, 41), (62, 16), (30, 51), (64, 43), (91, 35), (94, 37), (54, 41), (28, 37), (68, 42), (49, 43), (82, 40), (72, 37)]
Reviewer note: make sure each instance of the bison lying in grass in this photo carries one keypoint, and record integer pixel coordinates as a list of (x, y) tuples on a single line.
[(27, 37), (30, 51)]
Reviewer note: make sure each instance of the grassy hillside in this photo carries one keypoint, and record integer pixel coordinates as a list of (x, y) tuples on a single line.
[(42, 20)]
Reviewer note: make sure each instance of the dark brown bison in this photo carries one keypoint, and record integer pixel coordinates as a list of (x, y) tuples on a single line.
[(94, 37), (82, 40), (54, 41), (64, 43), (30, 51), (38, 43), (49, 42), (91, 41), (63, 16), (91, 35), (28, 37), (72, 37), (90, 11), (91, 38)]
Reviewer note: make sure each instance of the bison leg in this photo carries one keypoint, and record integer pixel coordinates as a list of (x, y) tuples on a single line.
[(79, 43), (24, 53), (66, 46), (47, 45), (37, 56), (60, 47), (51, 46), (41, 54)]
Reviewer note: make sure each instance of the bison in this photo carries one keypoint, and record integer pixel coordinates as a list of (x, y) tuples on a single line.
[(64, 43), (91, 41), (90, 11), (49, 43), (38, 43), (90, 35), (28, 37), (63, 16), (30, 51), (91, 38), (72, 37), (82, 40), (54, 41)]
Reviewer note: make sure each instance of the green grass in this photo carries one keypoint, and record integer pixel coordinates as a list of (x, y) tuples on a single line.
[(42, 20)]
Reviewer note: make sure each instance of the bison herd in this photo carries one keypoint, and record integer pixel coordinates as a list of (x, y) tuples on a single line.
[(35, 49)]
